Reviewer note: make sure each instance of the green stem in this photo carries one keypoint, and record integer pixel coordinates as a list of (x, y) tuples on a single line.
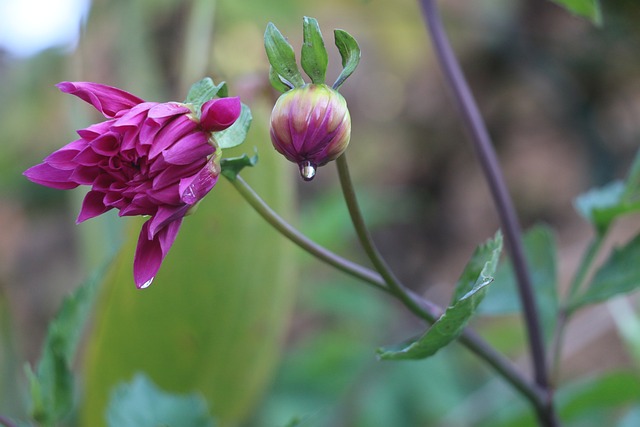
[(585, 265), (422, 308), (395, 287)]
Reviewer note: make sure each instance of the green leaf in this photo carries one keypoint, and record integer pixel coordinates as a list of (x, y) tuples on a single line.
[(203, 91), (141, 404), (589, 9), (540, 249), (281, 55), (232, 166), (350, 53), (277, 81), (601, 206), (51, 385), (236, 133), (470, 291), (314, 58), (619, 274)]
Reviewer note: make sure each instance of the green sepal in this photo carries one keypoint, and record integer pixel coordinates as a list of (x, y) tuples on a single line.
[(350, 53), (469, 292), (281, 55), (589, 9), (232, 166), (235, 134), (278, 82), (314, 58), (142, 403), (203, 91)]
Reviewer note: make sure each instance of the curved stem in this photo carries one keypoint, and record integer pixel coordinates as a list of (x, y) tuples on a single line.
[(422, 308), (393, 284), (490, 166)]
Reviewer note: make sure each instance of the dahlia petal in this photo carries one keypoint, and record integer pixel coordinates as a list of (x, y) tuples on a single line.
[(194, 188), (107, 144), (49, 176), (173, 131), (95, 130), (88, 157), (167, 109), (92, 206), (165, 196), (220, 113), (189, 149), (85, 175), (164, 216), (151, 252), (106, 99)]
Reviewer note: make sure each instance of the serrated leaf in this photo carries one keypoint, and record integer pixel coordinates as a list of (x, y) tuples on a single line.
[(235, 134), (232, 166), (281, 55), (619, 274), (589, 9), (470, 291), (203, 91), (314, 58), (51, 385), (141, 403), (350, 53), (540, 249), (278, 82)]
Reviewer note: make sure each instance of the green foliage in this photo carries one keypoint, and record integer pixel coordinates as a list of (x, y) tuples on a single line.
[(541, 255), (314, 58), (601, 206), (232, 166), (235, 134), (281, 56), (589, 9), (350, 53), (205, 90), (618, 275), (277, 82), (51, 385), (469, 292), (140, 403)]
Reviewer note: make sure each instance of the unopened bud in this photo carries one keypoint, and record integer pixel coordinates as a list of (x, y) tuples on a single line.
[(310, 126)]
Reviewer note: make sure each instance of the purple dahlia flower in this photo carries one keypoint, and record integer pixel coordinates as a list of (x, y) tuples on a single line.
[(147, 158)]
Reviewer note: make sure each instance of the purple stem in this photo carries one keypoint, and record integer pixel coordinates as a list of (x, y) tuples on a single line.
[(6, 422), (493, 173)]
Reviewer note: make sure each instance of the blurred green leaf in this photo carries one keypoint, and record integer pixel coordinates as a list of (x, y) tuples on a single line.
[(469, 292), (619, 274), (235, 134), (314, 58), (140, 403), (231, 167), (350, 53), (203, 91), (51, 385), (589, 9), (601, 206), (281, 56), (540, 250)]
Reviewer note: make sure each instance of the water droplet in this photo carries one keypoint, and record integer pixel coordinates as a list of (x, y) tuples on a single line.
[(307, 170), (147, 283)]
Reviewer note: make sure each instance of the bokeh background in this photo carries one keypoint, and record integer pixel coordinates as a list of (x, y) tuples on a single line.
[(562, 102)]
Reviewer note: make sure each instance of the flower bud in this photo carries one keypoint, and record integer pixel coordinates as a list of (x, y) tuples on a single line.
[(310, 126)]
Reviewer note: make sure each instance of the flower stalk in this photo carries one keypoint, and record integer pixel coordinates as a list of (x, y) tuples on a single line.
[(490, 166)]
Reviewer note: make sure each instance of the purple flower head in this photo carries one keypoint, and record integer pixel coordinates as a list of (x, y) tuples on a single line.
[(310, 126), (147, 158)]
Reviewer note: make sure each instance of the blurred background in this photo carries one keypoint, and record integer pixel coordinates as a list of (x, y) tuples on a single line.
[(562, 102)]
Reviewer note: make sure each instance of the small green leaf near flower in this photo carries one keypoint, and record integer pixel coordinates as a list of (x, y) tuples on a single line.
[(350, 53), (281, 55), (237, 132), (205, 90), (314, 58)]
